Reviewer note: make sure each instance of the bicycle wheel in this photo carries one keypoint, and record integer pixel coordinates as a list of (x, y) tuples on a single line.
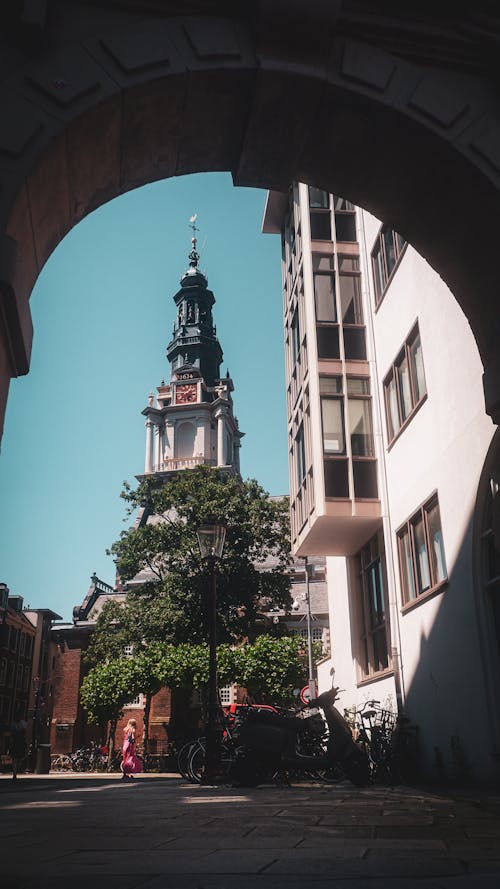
[(183, 760), (197, 761), (60, 762)]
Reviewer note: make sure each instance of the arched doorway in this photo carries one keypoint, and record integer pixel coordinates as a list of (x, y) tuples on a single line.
[(112, 98)]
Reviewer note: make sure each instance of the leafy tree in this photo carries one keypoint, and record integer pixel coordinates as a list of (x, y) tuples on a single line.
[(271, 669), (163, 549), (106, 689)]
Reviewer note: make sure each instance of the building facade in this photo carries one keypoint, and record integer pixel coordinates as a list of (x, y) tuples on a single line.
[(394, 472), (189, 422)]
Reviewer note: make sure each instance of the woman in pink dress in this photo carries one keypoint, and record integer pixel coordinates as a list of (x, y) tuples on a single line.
[(130, 763)]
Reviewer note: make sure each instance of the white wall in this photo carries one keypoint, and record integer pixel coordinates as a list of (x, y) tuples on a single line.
[(443, 448)]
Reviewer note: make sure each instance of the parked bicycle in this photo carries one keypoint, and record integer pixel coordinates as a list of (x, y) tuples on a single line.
[(388, 740)]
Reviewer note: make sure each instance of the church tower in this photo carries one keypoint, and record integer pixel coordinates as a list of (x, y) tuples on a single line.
[(191, 420)]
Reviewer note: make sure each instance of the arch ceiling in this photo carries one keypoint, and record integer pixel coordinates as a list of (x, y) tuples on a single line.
[(396, 110)]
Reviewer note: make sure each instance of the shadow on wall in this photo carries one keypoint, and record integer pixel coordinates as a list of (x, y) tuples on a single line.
[(449, 695)]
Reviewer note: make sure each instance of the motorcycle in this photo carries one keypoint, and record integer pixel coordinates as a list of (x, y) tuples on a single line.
[(270, 743)]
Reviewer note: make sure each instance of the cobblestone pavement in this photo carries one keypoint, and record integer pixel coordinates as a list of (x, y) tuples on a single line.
[(161, 833)]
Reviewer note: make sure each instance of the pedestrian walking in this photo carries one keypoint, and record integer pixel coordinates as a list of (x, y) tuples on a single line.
[(130, 764), (17, 741)]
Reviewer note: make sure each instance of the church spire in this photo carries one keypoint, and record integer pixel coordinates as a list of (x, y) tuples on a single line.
[(194, 343)]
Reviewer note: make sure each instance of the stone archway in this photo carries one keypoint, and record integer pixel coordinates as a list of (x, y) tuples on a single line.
[(99, 98)]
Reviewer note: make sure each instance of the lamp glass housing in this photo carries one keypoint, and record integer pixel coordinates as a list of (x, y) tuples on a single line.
[(211, 538)]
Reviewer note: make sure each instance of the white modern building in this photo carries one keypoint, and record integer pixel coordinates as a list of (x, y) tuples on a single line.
[(394, 474)]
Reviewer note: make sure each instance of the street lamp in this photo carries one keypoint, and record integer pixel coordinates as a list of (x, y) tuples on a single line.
[(211, 537), (311, 678)]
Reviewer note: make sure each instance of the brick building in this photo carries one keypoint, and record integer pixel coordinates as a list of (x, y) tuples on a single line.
[(17, 639), (69, 727)]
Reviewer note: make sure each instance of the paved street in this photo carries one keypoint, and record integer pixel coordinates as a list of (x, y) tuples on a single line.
[(160, 833)]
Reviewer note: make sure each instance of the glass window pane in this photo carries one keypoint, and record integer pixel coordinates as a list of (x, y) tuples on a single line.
[(390, 253), (330, 385), (348, 263), (318, 198), (342, 204), (360, 425), (324, 298), (300, 455), (333, 426), (417, 365), (380, 656), (392, 408), (358, 386), (404, 388), (421, 555), (378, 273), (400, 242), (350, 299), (336, 478), (406, 562), (365, 479), (327, 339), (322, 262), (295, 336), (355, 343), (345, 226), (436, 544), (320, 225)]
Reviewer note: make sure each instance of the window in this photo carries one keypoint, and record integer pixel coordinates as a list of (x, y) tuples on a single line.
[(386, 254), (3, 671), (22, 644), (404, 385), (316, 633), (319, 215), (345, 226), (332, 415), (227, 695), (318, 199), (14, 637), (300, 455), (360, 435), (374, 628), (324, 288), (422, 561), (295, 336), (364, 466), (334, 441), (138, 701)]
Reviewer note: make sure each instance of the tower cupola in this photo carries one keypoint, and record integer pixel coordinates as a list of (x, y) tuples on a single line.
[(194, 341)]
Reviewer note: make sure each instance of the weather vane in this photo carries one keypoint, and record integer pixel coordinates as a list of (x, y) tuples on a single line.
[(194, 256)]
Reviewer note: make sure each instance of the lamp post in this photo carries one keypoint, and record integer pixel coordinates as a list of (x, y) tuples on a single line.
[(211, 537), (311, 679)]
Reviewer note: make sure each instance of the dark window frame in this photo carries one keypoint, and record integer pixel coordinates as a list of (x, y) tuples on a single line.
[(372, 556), (407, 531), (392, 377), (379, 249)]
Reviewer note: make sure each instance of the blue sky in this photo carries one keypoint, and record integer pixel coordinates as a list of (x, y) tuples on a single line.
[(103, 314)]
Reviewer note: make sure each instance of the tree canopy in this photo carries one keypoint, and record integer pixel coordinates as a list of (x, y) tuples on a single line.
[(160, 556)]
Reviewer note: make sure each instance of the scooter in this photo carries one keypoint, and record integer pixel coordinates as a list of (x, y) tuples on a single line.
[(270, 743)]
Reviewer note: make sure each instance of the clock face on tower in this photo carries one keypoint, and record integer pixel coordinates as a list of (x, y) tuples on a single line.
[(186, 394)]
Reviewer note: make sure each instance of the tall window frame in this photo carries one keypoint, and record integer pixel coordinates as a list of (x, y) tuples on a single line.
[(386, 255), (405, 387), (422, 560), (374, 631)]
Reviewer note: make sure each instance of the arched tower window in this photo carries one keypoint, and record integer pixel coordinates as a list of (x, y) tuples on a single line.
[(185, 434)]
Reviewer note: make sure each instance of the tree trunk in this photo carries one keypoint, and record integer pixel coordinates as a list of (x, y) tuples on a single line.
[(145, 732), (111, 741)]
